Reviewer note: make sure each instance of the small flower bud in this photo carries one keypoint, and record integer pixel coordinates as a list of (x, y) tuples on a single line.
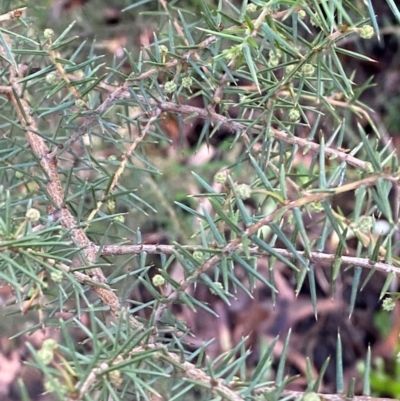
[(317, 207), (56, 276), (251, 8), (199, 256), (221, 177), (170, 87), (163, 49), (314, 20), (54, 385), (294, 115), (289, 69), (32, 214), (158, 280), (388, 304), (112, 158), (233, 52), (115, 378), (366, 32), (308, 70), (119, 219), (111, 204), (19, 174), (243, 191), (50, 343), (51, 78), (79, 103), (216, 284), (46, 353), (365, 224), (48, 33), (274, 57), (302, 14), (187, 82)]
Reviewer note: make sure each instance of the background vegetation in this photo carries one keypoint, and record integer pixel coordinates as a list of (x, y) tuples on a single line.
[(199, 200)]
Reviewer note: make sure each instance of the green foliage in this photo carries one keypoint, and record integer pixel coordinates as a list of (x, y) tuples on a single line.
[(83, 168), (383, 382)]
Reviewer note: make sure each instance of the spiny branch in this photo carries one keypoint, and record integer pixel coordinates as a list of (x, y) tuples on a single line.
[(188, 370), (223, 122), (113, 250), (253, 229), (48, 162)]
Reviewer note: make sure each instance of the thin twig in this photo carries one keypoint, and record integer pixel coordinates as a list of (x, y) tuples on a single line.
[(53, 57), (48, 162), (94, 277), (299, 395), (253, 229), (188, 370), (234, 126), (125, 158), (122, 91), (113, 250)]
